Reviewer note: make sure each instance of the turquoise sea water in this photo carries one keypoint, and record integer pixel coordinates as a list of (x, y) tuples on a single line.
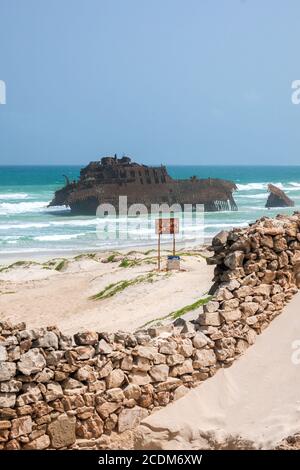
[(28, 226)]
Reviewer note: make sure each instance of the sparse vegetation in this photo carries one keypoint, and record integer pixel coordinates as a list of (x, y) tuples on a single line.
[(84, 255), (129, 263), (126, 263), (117, 287), (61, 265), (179, 313), (17, 264)]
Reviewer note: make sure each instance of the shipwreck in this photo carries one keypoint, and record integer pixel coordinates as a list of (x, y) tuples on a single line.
[(105, 180), (278, 198)]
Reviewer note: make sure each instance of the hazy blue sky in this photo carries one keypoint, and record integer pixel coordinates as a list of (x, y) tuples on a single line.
[(172, 81)]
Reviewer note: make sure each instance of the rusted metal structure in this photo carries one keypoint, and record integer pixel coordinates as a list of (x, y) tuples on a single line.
[(105, 180), (278, 198)]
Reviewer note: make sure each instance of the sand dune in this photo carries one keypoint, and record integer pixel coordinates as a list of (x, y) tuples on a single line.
[(41, 296), (253, 404)]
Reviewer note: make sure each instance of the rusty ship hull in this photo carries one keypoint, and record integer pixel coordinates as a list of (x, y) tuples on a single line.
[(103, 182)]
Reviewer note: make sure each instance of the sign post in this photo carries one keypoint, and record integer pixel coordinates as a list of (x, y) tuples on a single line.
[(158, 253), (166, 226)]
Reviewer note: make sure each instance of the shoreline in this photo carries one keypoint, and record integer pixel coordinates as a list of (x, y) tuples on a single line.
[(47, 255)]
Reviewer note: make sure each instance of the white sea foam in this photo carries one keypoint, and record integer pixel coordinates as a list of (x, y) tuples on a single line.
[(251, 186), (28, 225), (252, 196), (7, 208), (6, 196), (53, 238), (233, 224)]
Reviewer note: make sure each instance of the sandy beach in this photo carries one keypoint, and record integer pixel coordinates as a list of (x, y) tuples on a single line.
[(59, 291), (268, 411)]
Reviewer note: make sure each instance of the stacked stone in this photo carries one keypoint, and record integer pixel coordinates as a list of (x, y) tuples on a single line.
[(55, 390), (257, 272), (61, 392)]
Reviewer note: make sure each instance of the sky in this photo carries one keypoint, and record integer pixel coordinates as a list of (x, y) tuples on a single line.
[(165, 81)]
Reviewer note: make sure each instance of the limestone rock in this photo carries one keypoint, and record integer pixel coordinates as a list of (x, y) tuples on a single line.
[(11, 386), (86, 338), (31, 362), (204, 358), (222, 293), (209, 319), (200, 340), (90, 428), (54, 391), (249, 308), (62, 432), (211, 306), (141, 363), (241, 346), (5, 425), (44, 376), (127, 362), (21, 426), (13, 444), (159, 373), (263, 289), (147, 352), (185, 368), (244, 291), (180, 392), (115, 378), (40, 443), (130, 418), (174, 359), (49, 340), (139, 378), (107, 408), (234, 259), (7, 400), (103, 347), (232, 315), (3, 354), (230, 304), (186, 347), (167, 347), (105, 370), (86, 374), (7, 371), (220, 238), (115, 394)]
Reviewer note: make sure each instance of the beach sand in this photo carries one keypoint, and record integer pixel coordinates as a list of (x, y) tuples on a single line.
[(253, 404), (57, 292)]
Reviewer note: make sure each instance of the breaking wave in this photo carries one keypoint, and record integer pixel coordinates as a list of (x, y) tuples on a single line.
[(7, 208), (288, 186), (53, 238), (6, 196), (253, 196), (251, 186)]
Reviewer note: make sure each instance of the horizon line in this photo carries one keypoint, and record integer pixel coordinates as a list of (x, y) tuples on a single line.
[(152, 164)]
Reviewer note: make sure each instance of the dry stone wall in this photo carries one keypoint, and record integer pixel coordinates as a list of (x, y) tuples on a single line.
[(62, 392)]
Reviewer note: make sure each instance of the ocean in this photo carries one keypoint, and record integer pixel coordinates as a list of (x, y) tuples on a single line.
[(27, 226)]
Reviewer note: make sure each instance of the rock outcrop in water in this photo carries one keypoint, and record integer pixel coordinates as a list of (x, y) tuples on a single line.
[(278, 198), (102, 182)]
